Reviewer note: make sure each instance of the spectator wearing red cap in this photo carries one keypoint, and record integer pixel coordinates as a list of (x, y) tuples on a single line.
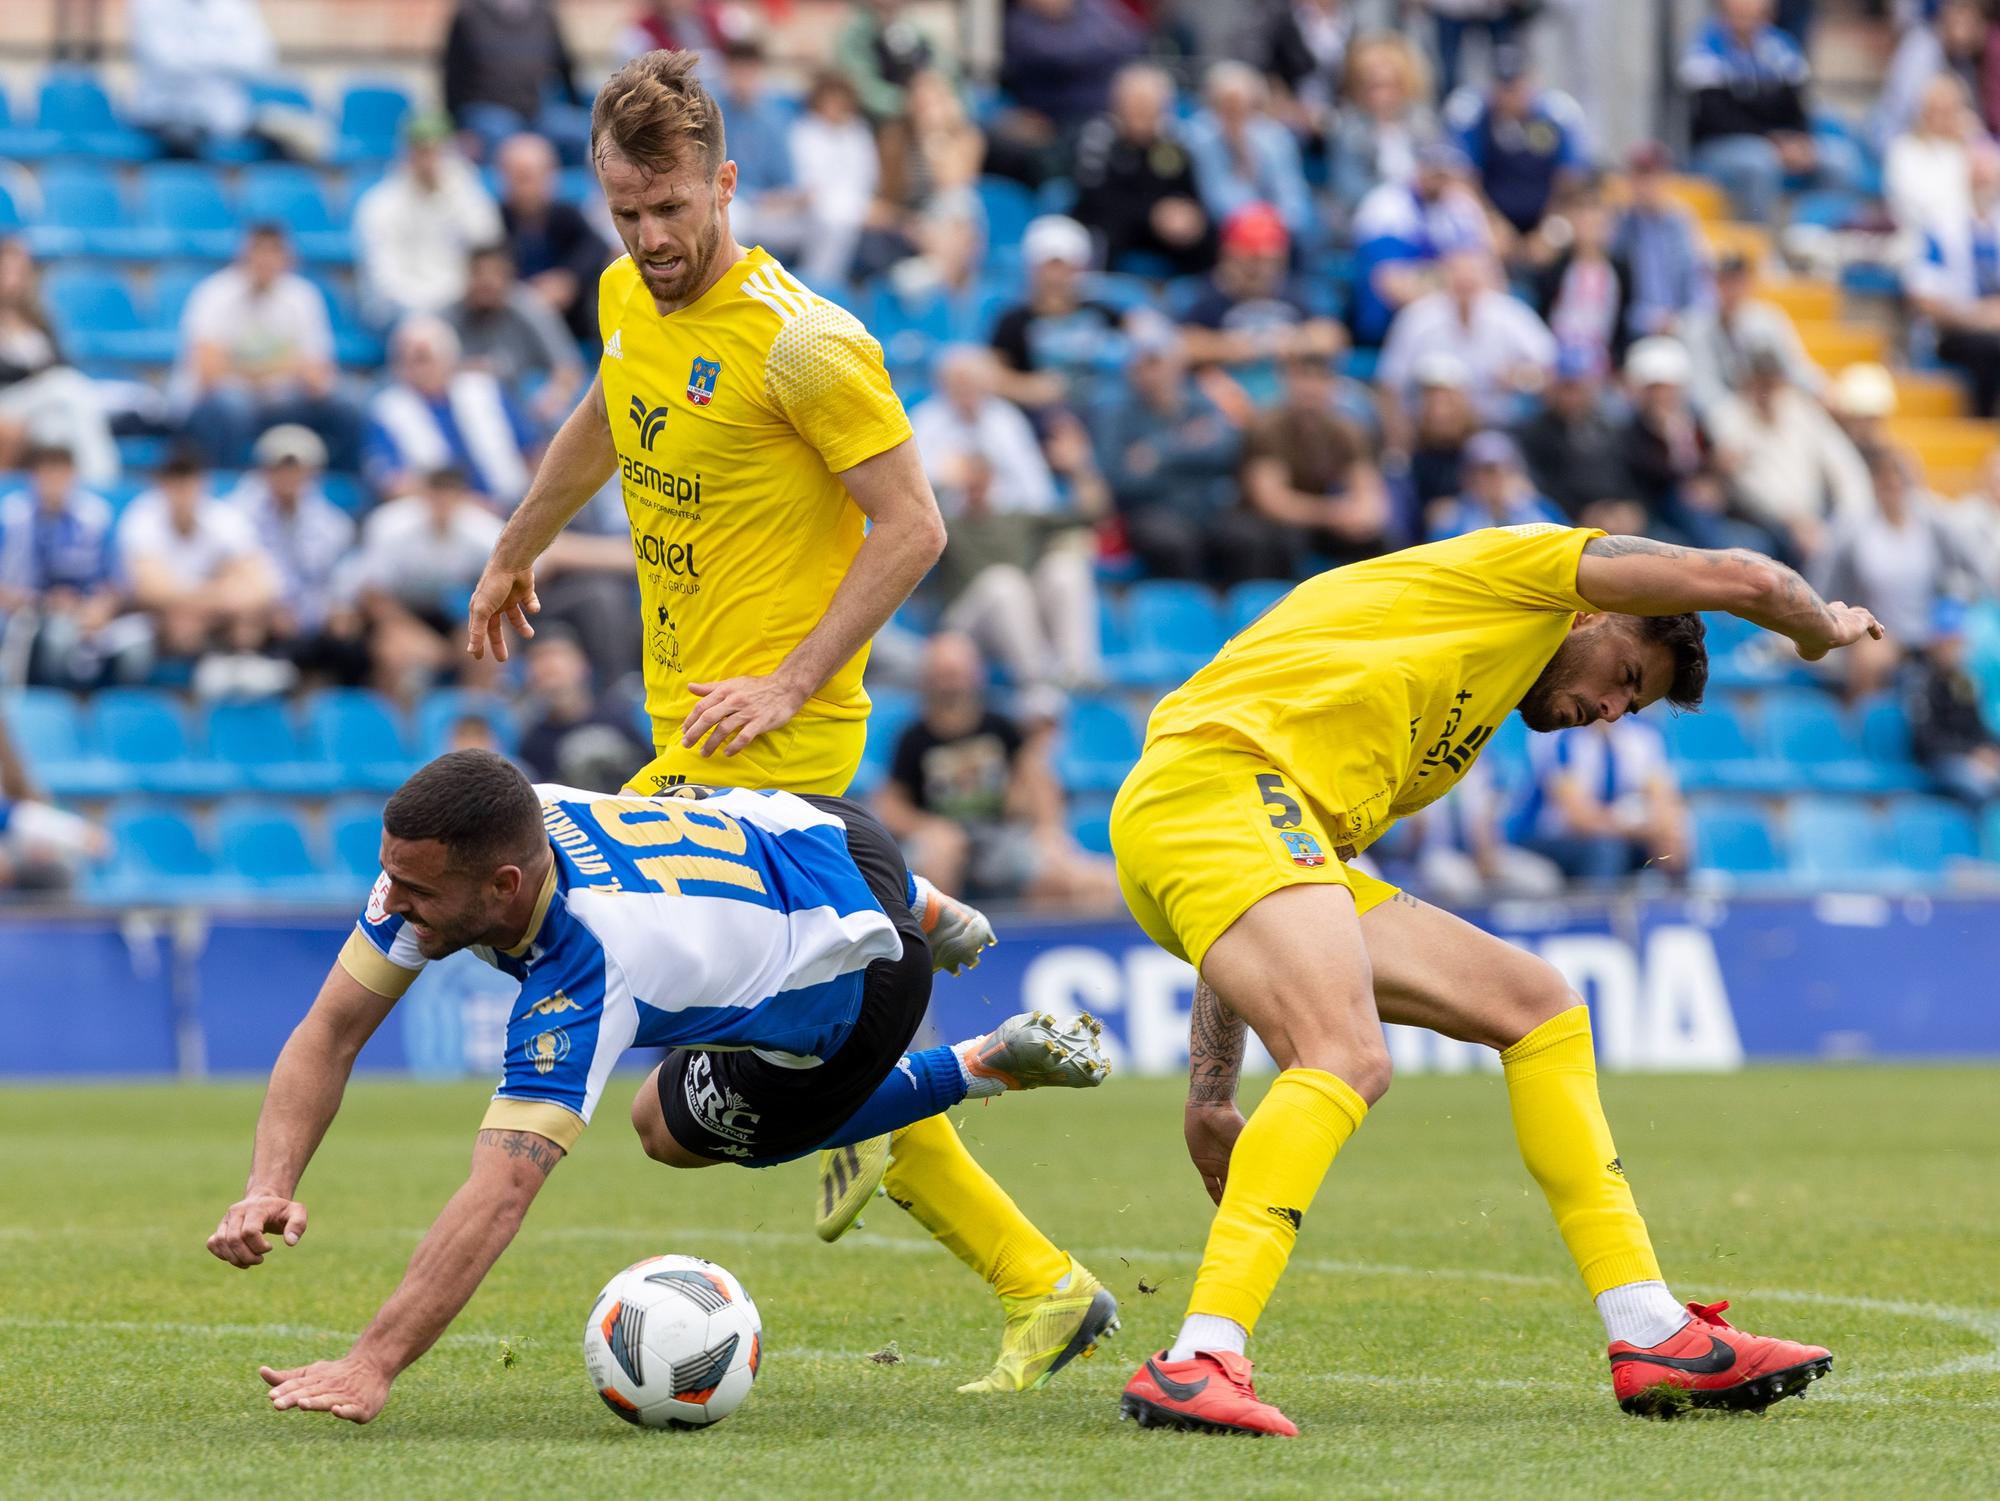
[(1252, 308)]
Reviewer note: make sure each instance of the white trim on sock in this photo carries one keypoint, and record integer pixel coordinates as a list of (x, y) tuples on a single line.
[(977, 1086), (1640, 1313), (1206, 1331)]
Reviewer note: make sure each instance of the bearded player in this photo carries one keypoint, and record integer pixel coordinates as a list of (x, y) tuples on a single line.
[(779, 516), (1361, 697)]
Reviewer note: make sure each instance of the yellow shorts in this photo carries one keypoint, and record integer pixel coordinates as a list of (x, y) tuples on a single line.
[(807, 755), (1204, 830)]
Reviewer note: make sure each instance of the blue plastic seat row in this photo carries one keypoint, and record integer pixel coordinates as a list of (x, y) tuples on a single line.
[(143, 740), (1166, 629), (256, 850), (182, 209), (1797, 741), (101, 317), (1844, 842)]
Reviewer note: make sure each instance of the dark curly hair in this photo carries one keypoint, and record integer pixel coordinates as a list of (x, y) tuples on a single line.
[(1687, 638), (473, 802)]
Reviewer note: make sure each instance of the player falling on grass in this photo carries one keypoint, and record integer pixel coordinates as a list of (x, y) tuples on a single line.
[(754, 429), (766, 939), (1362, 696)]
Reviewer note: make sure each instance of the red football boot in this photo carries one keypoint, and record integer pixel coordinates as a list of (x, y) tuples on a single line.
[(1709, 1364), (1209, 1392)]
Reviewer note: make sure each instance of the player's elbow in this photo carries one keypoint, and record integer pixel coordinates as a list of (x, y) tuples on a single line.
[(928, 535), (1753, 578)]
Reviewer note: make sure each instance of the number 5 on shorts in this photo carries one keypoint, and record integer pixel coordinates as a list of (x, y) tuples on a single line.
[(1271, 791)]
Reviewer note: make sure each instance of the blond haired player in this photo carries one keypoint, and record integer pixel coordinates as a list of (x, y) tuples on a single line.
[(1359, 698), (755, 431)]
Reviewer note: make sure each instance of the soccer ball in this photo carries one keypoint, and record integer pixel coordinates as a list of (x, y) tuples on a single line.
[(673, 1342)]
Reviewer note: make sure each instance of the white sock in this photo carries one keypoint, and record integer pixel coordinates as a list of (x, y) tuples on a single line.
[(977, 1086), (1640, 1313), (1206, 1331)]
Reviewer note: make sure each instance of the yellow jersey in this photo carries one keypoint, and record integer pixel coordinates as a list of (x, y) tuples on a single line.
[(732, 418), (1373, 687)]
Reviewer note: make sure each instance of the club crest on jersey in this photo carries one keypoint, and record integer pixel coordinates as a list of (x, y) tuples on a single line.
[(701, 381), (546, 1049), (649, 421), (1304, 848)]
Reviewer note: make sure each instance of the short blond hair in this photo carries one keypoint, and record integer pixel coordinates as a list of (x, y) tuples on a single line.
[(653, 110)]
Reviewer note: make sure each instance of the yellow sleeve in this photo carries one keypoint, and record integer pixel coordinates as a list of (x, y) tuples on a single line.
[(825, 374), (366, 964), (1532, 566), (542, 1117), (614, 285)]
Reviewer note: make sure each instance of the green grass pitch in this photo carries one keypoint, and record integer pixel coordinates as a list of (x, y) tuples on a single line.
[(1430, 1339)]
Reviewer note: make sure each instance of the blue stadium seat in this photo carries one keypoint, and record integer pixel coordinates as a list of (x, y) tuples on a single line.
[(10, 211), (94, 313), (371, 118), (441, 711), (1735, 839), (1841, 842), (289, 194), (1252, 598), (1883, 729), (1174, 626), (1099, 744), (157, 857), (146, 731), (52, 736), (891, 712), (1009, 206), (258, 739), (20, 141), (1931, 834), (83, 212), (185, 202), (354, 839), (360, 733), (1805, 728), (75, 106), (1091, 828), (355, 344), (263, 853), (173, 285)]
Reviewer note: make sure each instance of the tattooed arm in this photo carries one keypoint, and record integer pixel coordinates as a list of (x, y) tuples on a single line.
[(1638, 576), (1212, 1122), (508, 1170), (1215, 1049)]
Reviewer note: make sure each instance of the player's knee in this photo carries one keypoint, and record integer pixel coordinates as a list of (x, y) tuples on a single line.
[(650, 1122), (1533, 992), (1369, 1071)]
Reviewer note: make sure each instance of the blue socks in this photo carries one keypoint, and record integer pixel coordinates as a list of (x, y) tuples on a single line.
[(920, 1086)]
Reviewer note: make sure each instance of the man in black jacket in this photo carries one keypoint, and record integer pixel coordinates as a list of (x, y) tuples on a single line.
[(556, 252), (503, 60), (1135, 181), (1948, 731)]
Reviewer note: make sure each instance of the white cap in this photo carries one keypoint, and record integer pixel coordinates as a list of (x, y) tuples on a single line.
[(289, 443), (1055, 237), (1864, 390), (1657, 361)]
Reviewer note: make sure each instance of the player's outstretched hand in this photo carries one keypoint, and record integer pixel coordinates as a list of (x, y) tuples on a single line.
[(1211, 1132), (735, 711), (239, 1239), (351, 1387), (1850, 624), (502, 596)]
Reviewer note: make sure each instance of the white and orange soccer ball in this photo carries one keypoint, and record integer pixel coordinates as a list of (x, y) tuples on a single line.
[(673, 1342)]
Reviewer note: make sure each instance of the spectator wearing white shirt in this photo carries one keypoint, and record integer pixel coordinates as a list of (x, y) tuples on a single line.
[(44, 401), (438, 415), (1954, 281), (1506, 350), (1605, 803), (418, 555), (416, 229), (835, 161), (1926, 175), (1016, 574), (306, 536), (257, 350), (1791, 469), (1720, 336), (59, 578), (191, 60), (195, 565)]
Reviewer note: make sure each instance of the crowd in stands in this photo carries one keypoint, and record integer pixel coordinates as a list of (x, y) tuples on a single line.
[(1174, 329)]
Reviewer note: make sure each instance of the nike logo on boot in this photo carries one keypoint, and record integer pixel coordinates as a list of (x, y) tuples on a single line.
[(1720, 1357), (1178, 1391)]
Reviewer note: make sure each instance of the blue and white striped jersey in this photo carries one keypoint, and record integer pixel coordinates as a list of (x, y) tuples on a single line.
[(721, 918)]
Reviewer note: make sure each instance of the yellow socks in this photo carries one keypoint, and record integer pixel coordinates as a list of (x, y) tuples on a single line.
[(1552, 1089), (1285, 1149), (933, 1176)]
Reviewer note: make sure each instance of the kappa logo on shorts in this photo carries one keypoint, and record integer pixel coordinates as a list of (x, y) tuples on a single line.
[(1305, 849)]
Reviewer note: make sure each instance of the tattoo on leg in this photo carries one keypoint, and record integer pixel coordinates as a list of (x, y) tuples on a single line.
[(1215, 1049), (1405, 899), (539, 1150)]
